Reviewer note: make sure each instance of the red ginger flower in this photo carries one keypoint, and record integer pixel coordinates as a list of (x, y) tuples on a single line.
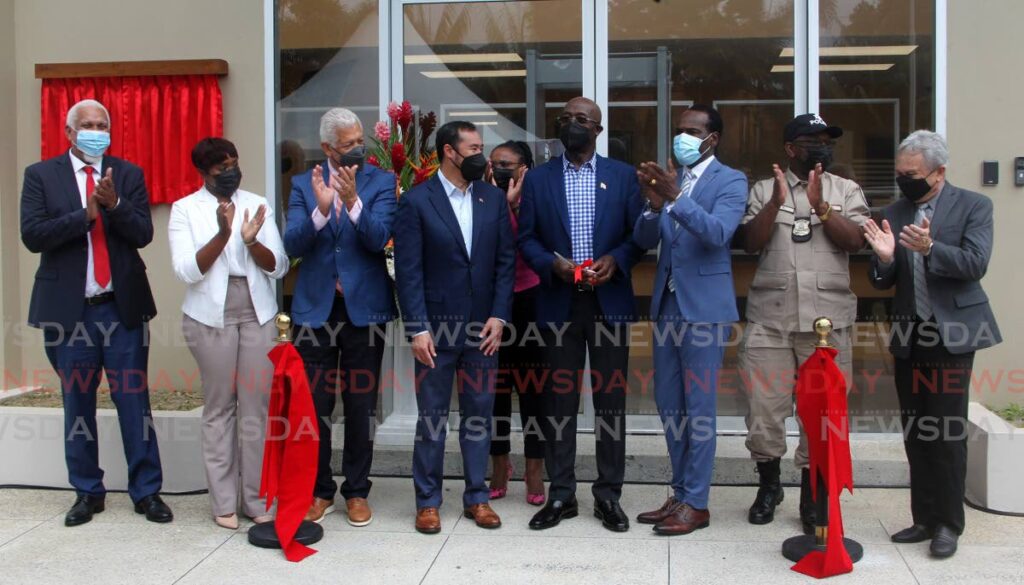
[(397, 157), (405, 115)]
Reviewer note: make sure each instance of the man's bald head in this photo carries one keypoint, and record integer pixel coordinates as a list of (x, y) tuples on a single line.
[(585, 106)]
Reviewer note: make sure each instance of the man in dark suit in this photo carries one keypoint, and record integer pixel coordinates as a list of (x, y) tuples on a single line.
[(339, 221), (940, 317), (88, 215), (692, 214), (455, 271), (577, 208)]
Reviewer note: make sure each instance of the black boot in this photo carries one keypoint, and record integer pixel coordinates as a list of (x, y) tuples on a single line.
[(769, 495), (808, 513)]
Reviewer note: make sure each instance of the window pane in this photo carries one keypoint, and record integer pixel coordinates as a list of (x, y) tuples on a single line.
[(508, 67), (877, 83), (665, 56)]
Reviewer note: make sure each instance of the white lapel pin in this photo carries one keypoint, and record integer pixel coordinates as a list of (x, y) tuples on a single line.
[(603, 186), (480, 199)]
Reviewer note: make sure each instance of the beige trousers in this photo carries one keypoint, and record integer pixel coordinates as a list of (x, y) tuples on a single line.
[(769, 361), (236, 376)]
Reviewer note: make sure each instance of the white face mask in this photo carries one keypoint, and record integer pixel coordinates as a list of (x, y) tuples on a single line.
[(686, 148)]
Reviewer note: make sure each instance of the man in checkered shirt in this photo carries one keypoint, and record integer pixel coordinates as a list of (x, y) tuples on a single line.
[(576, 209)]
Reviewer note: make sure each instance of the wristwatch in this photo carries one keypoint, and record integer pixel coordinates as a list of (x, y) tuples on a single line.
[(825, 216)]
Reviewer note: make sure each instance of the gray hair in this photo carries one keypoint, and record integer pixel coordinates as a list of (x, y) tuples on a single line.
[(72, 119), (930, 145), (336, 119)]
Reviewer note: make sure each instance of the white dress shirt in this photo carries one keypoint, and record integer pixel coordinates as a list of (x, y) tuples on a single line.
[(320, 220), (193, 223), (696, 171), (462, 205), (92, 288)]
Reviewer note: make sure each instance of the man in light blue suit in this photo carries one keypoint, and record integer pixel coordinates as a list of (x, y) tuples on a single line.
[(339, 221), (692, 213)]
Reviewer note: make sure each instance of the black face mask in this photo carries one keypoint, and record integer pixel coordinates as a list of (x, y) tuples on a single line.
[(817, 155), (355, 157), (913, 188), (574, 136), (226, 183), (502, 177), (473, 167)]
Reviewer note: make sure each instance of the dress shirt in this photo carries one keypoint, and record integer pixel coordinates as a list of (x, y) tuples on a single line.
[(462, 205), (580, 198), (696, 171), (92, 288)]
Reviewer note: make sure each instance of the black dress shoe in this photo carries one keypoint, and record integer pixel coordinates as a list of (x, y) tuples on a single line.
[(154, 508), (611, 515), (554, 512), (83, 509), (916, 533), (944, 542)]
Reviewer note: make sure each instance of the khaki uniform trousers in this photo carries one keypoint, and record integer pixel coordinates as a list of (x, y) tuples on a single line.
[(769, 360)]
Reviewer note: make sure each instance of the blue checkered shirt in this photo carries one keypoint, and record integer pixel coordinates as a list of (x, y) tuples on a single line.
[(580, 186)]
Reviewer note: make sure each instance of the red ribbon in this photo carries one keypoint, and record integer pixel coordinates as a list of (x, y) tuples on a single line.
[(821, 405), (578, 275)]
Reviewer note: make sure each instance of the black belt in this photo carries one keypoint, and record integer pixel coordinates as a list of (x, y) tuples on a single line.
[(100, 299)]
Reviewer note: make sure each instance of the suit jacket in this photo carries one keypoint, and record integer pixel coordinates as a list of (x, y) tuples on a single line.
[(353, 253), (961, 229), (544, 229), (441, 287), (53, 223), (697, 251)]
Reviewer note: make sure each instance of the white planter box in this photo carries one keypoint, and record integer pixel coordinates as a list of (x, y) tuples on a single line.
[(32, 448), (995, 454)]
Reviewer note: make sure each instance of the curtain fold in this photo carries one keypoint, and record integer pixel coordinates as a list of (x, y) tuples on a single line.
[(155, 122)]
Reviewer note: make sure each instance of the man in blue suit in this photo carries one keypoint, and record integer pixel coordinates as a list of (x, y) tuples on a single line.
[(692, 214), (577, 208), (87, 214), (339, 221), (455, 271)]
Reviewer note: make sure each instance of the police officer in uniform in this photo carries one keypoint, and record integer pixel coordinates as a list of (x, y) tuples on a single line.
[(804, 223)]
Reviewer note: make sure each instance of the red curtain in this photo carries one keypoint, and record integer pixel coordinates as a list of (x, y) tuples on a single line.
[(155, 122)]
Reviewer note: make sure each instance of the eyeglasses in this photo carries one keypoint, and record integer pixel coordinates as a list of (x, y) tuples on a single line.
[(580, 119)]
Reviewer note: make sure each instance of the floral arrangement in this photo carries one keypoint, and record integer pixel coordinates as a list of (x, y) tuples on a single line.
[(401, 147)]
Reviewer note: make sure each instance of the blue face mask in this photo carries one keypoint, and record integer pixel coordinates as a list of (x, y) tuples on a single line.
[(686, 148), (92, 142)]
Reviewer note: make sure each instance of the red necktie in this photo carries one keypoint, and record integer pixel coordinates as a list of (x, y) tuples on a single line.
[(100, 256)]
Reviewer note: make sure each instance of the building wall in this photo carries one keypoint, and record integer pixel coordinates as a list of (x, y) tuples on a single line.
[(984, 123), (53, 31), (10, 303)]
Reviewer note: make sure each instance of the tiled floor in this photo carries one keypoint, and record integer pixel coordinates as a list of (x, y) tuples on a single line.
[(121, 547)]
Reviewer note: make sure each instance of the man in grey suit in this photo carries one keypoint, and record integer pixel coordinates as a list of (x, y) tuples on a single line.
[(940, 317)]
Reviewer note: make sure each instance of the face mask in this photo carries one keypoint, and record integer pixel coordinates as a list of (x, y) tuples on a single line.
[(816, 155), (502, 177), (473, 167), (686, 148), (914, 188), (356, 157), (574, 136), (226, 183), (92, 142)]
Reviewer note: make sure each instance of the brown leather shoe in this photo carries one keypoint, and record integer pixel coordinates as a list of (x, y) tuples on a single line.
[(484, 515), (359, 512), (428, 521), (655, 516), (319, 509), (683, 520)]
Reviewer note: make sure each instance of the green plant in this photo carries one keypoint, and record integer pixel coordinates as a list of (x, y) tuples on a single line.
[(1013, 413)]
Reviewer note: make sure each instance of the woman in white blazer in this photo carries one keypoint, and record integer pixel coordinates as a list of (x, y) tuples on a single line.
[(229, 259)]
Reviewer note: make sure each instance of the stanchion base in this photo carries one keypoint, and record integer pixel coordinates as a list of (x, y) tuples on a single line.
[(797, 547), (265, 536)]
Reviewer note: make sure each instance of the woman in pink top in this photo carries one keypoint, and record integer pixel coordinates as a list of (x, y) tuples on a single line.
[(519, 362)]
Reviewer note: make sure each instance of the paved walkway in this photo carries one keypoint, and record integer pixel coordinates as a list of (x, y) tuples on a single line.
[(120, 547)]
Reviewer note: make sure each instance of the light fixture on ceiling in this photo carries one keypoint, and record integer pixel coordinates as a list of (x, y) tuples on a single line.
[(471, 114), (865, 51), (463, 58), (846, 67), (474, 73)]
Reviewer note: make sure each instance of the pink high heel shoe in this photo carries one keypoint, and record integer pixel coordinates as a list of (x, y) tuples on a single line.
[(498, 493), (535, 499)]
